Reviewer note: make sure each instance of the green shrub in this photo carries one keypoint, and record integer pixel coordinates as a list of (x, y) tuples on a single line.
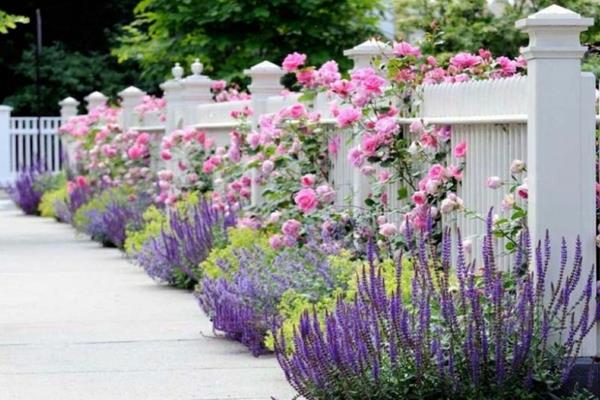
[(50, 198)]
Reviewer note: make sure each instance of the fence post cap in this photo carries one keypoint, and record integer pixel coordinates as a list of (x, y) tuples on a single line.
[(68, 101), (369, 47), (554, 33), (177, 71), (131, 91), (4, 108), (264, 68), (96, 95)]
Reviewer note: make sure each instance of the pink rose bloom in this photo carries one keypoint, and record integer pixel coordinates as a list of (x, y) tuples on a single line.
[(386, 126), (404, 49), (454, 172), (296, 111), (254, 140), (276, 242), (328, 73), (267, 167), (447, 206), (370, 144), (384, 176), (217, 86), (508, 67), (136, 151), (208, 167), (274, 217), (342, 87), (326, 193), (356, 157), (517, 166), (307, 180), (373, 84), (493, 182), (292, 61), (192, 177), (81, 181), (306, 200), (143, 138), (436, 172), (419, 198), (165, 175), (523, 191), (465, 60), (166, 155), (388, 229), (485, 54), (460, 151), (306, 77), (208, 143), (164, 185), (416, 126), (346, 116), (291, 228)]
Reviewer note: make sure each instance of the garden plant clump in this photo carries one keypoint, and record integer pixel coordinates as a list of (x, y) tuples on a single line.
[(492, 335)]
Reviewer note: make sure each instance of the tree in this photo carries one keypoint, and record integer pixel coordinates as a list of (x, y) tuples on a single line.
[(65, 73), (231, 35), (451, 26), (10, 21)]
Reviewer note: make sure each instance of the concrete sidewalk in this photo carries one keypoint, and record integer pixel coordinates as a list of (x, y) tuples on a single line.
[(80, 322)]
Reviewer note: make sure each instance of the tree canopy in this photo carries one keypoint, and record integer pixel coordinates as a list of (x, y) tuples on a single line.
[(10, 21), (451, 26), (231, 35)]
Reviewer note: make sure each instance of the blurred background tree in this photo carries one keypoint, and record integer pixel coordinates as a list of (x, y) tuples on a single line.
[(449, 26), (231, 35), (77, 36), (10, 21)]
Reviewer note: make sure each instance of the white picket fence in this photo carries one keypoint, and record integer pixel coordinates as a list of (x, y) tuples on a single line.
[(27, 142), (547, 119)]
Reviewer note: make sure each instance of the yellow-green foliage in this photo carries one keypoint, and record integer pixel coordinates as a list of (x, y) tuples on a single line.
[(154, 219), (294, 304), (49, 200), (100, 202), (238, 238)]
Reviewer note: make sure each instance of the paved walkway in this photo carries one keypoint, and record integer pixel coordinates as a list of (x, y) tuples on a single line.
[(80, 322)]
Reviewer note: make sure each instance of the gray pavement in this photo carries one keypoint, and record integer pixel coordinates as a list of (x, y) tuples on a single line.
[(80, 322)]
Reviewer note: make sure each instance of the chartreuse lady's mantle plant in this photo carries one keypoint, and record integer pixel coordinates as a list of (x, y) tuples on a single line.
[(491, 335)]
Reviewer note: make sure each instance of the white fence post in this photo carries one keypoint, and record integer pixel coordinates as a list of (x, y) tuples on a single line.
[(266, 78), (95, 99), (68, 108), (196, 91), (172, 92), (5, 173), (362, 56), (131, 98), (560, 139)]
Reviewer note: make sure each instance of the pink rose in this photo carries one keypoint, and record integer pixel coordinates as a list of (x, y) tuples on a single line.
[(436, 172), (166, 155), (384, 176), (369, 144), (523, 191), (136, 151), (419, 198), (81, 181), (291, 228), (347, 116), (306, 77), (292, 61), (143, 138), (404, 49), (276, 242), (306, 200), (307, 180), (388, 229), (356, 157), (326, 193), (493, 182), (465, 60), (296, 110), (460, 151), (217, 86), (165, 175), (447, 206), (517, 166), (267, 167)]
